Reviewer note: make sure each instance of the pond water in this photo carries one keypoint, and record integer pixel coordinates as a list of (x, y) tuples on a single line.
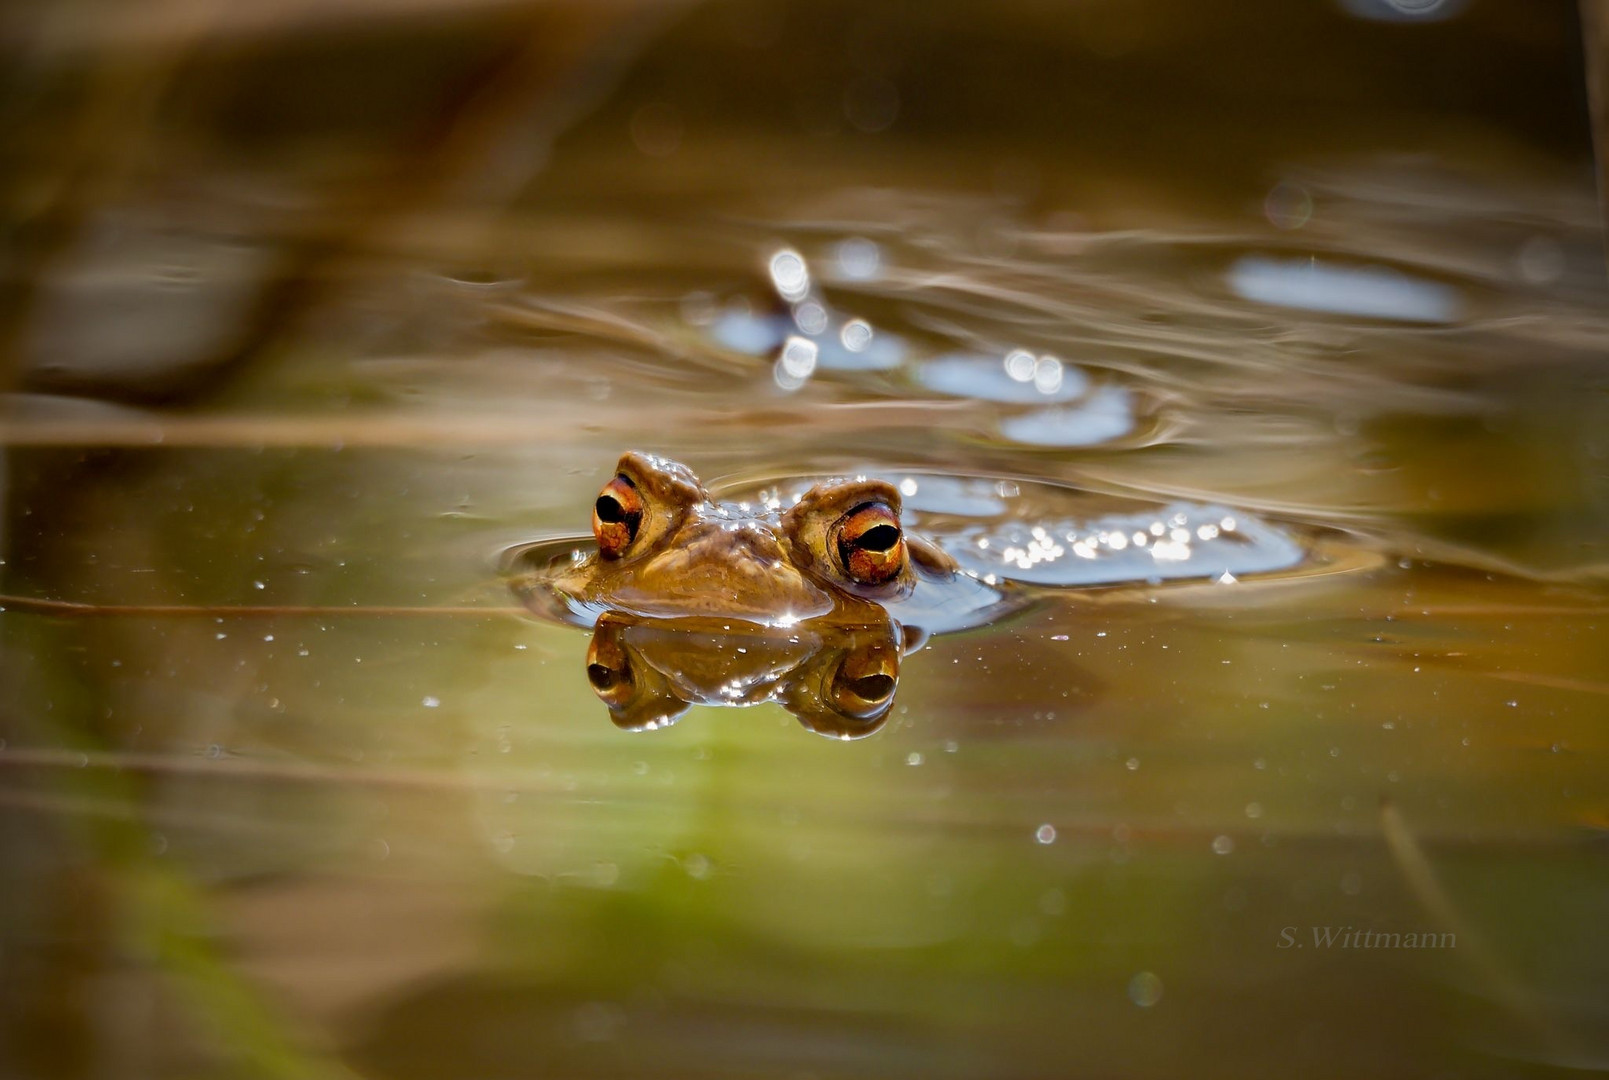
[(1258, 356)]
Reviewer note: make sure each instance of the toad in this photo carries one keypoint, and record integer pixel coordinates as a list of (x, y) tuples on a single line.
[(667, 550)]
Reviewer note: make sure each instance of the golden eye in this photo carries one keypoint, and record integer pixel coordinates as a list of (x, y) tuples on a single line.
[(609, 670), (616, 516), (871, 548), (863, 686)]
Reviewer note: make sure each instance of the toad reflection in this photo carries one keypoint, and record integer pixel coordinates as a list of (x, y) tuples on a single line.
[(696, 601), (837, 677)]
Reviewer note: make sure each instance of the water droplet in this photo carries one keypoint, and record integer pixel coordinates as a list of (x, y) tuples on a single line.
[(1288, 206), (1045, 834), (859, 259), (1540, 260), (1145, 989)]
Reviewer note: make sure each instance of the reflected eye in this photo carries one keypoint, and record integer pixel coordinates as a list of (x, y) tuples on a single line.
[(863, 686), (871, 548), (609, 671), (616, 516), (864, 695)]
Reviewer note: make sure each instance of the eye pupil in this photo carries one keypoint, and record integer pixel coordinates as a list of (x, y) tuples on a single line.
[(603, 678), (871, 688), (878, 538), (609, 510), (871, 549)]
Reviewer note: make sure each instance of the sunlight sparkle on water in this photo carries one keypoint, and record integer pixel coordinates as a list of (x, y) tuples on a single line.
[(1177, 543), (1047, 375), (810, 317), (856, 335), (796, 363), (789, 275)]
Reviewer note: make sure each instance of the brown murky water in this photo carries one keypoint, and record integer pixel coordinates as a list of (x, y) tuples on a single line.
[(323, 313)]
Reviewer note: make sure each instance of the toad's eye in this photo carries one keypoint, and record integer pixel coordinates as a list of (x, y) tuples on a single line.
[(871, 549), (863, 686), (616, 516)]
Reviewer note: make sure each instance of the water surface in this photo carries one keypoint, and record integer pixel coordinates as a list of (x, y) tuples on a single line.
[(290, 784)]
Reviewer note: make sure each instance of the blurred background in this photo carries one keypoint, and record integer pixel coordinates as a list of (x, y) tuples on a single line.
[(313, 311)]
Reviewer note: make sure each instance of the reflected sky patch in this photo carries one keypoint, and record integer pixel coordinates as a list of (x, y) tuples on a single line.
[(1106, 414), (1374, 292), (963, 496), (739, 329), (1019, 378), (873, 350)]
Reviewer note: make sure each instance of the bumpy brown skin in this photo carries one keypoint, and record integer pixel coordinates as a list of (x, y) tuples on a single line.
[(692, 557)]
